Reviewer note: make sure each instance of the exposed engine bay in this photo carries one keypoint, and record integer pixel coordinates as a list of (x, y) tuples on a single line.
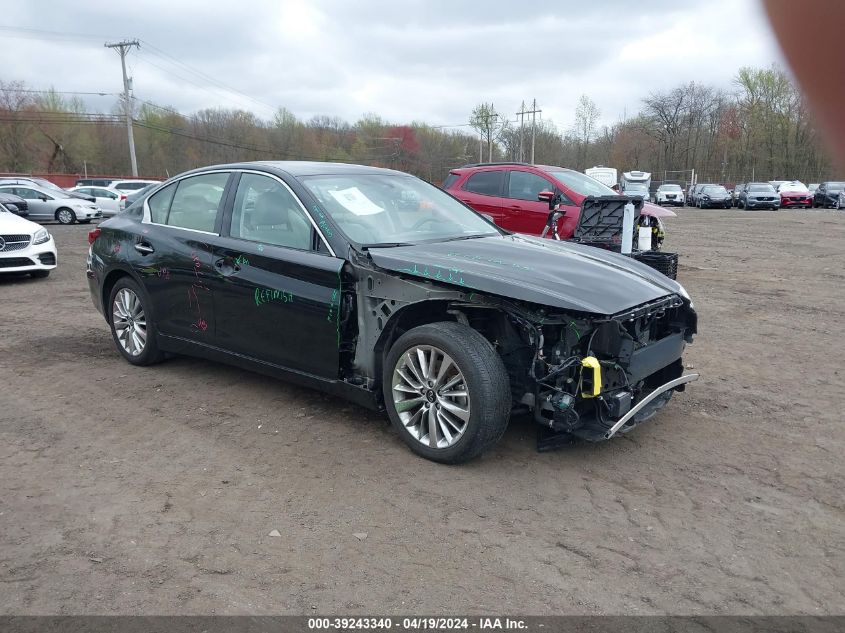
[(577, 374)]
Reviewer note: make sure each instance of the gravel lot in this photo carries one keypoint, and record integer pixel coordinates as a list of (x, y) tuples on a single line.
[(154, 490)]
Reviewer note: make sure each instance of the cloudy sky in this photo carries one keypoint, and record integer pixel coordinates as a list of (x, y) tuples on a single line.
[(406, 60)]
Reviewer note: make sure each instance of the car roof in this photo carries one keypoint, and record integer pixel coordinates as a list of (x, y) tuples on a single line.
[(545, 168), (297, 168)]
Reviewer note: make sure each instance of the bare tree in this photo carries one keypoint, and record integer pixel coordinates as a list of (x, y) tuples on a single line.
[(587, 116), (490, 125)]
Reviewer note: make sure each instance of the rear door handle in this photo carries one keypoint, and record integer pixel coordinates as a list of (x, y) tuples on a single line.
[(226, 266), (144, 248)]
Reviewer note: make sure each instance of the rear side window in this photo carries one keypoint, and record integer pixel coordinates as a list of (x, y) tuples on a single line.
[(160, 204), (130, 186), (196, 202), (450, 180), (523, 185), (488, 183)]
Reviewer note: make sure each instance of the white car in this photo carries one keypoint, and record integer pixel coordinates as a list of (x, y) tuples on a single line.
[(131, 185), (48, 204), (669, 195), (25, 247), (108, 199)]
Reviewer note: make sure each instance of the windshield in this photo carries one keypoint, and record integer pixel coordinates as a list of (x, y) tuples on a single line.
[(796, 187), (46, 184), (669, 188), (581, 183), (635, 187), (385, 209), (711, 191), (766, 188), (835, 186)]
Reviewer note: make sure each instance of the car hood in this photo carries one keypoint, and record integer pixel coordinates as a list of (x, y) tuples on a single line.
[(557, 274), (657, 211), (9, 222)]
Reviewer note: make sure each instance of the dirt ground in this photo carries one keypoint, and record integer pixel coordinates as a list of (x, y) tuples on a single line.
[(154, 490)]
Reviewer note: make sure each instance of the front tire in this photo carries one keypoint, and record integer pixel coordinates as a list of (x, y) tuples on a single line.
[(131, 324), (65, 216), (446, 392)]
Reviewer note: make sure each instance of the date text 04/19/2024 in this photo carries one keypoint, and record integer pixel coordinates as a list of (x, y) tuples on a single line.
[(422, 623)]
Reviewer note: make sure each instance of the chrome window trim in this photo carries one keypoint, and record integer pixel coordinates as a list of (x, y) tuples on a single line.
[(146, 219), (301, 206)]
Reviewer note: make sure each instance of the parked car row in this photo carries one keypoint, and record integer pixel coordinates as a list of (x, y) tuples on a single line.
[(774, 194), (41, 200)]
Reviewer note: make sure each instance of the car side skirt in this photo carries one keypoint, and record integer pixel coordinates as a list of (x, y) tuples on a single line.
[(339, 388)]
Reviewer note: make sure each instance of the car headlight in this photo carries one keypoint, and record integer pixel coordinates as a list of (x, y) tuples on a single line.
[(683, 292), (41, 236)]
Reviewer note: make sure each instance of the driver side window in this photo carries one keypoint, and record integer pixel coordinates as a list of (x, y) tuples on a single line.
[(265, 211), (31, 194), (523, 185)]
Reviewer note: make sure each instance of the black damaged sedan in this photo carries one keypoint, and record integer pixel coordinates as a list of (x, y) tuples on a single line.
[(375, 286)]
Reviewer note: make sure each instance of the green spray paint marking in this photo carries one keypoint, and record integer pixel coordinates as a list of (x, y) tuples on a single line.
[(265, 295), (450, 275), (242, 261), (488, 260), (334, 307), (323, 223)]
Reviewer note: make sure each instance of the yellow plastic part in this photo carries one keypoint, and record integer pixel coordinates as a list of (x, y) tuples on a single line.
[(591, 363)]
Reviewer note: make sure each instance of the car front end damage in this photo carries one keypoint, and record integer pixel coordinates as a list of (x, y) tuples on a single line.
[(577, 373), (589, 376)]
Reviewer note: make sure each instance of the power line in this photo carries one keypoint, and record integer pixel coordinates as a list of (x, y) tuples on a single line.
[(41, 34), (169, 58), (217, 92), (62, 92)]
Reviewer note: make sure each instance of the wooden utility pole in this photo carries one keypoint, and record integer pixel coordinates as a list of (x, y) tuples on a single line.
[(123, 48), (533, 112)]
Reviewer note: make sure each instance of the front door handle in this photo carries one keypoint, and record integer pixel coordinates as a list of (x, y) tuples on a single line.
[(144, 248)]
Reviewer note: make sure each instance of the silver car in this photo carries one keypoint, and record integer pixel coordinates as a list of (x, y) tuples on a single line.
[(49, 204)]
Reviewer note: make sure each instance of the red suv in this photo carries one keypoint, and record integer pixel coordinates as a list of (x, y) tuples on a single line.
[(507, 192)]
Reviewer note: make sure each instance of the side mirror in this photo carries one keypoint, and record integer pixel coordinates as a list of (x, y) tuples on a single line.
[(548, 197), (42, 198)]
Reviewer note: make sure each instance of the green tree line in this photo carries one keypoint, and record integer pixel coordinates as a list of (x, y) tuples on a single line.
[(761, 129)]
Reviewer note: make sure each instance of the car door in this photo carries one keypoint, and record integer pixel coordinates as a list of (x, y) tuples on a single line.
[(39, 208), (276, 286), (105, 199), (174, 255), (483, 192), (522, 212)]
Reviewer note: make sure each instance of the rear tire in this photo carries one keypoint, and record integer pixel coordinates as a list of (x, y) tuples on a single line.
[(131, 323), (448, 411)]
